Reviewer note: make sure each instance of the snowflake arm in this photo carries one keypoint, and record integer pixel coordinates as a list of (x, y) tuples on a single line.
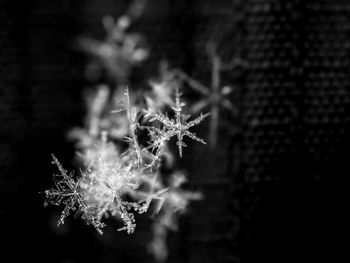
[(131, 113), (196, 85)]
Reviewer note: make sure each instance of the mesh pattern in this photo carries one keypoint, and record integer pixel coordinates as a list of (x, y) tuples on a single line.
[(295, 112)]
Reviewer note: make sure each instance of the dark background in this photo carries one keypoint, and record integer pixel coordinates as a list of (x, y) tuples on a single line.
[(275, 186)]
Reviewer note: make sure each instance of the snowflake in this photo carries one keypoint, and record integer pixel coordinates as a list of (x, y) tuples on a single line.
[(68, 193), (215, 96), (118, 51), (111, 176), (178, 127), (121, 174)]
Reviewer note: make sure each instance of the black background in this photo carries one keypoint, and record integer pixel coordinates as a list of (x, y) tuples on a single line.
[(275, 186)]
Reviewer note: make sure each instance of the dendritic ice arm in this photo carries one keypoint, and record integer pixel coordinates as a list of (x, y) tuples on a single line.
[(133, 124), (179, 126)]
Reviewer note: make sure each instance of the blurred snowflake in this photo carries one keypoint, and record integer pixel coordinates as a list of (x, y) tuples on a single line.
[(120, 50)]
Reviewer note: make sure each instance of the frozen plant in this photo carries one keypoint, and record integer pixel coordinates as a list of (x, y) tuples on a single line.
[(68, 193)]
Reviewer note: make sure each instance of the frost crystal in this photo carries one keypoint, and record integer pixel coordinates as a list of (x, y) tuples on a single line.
[(68, 193), (178, 127)]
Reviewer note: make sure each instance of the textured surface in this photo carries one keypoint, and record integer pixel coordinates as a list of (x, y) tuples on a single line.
[(275, 185), (295, 135)]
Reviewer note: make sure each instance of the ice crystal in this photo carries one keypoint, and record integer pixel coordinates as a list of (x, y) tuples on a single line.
[(122, 147), (102, 186), (120, 50), (215, 96), (179, 126), (110, 174), (68, 193)]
